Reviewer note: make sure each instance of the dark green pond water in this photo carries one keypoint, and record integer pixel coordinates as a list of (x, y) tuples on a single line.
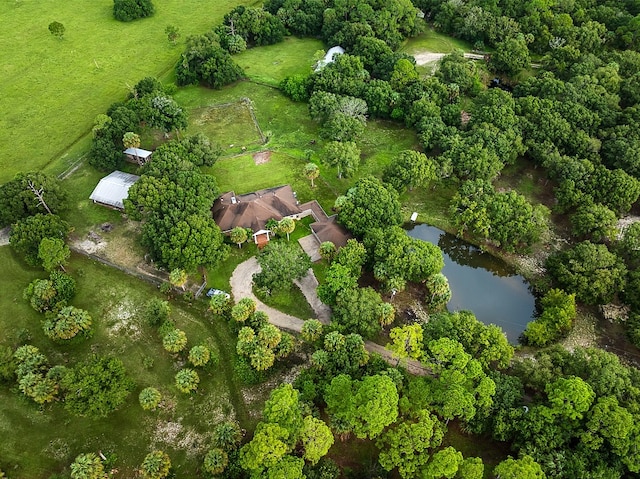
[(482, 283)]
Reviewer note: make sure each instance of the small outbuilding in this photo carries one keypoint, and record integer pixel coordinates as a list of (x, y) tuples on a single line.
[(138, 155), (113, 189), (329, 57)]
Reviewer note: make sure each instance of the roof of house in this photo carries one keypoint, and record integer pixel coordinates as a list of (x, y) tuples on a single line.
[(253, 210), (331, 230), (139, 152), (114, 188)]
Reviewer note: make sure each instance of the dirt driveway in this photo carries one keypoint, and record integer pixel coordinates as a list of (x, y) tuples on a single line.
[(241, 281)]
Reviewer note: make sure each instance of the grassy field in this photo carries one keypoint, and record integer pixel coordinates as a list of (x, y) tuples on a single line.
[(432, 41), (52, 89), (272, 63), (182, 426)]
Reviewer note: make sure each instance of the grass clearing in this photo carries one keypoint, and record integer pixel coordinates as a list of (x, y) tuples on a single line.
[(229, 124), (52, 88), (432, 41), (181, 426), (272, 63), (290, 301)]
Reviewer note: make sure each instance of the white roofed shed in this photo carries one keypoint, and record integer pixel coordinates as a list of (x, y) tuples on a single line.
[(113, 189)]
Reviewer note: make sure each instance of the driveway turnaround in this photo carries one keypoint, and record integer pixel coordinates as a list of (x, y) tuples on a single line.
[(241, 283)]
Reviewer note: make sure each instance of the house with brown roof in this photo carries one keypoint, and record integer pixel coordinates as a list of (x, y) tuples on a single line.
[(254, 210)]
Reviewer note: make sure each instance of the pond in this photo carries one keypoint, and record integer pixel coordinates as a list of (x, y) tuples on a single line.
[(482, 283)]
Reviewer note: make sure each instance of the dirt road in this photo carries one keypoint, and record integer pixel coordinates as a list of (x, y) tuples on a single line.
[(241, 281)]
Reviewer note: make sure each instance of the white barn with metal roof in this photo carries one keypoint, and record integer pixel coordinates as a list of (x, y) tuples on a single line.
[(113, 189)]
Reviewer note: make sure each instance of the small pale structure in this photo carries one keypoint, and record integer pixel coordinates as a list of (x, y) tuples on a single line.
[(113, 189), (329, 57), (138, 155)]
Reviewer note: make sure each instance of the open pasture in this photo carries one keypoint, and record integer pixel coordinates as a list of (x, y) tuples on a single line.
[(40, 441), (52, 88)]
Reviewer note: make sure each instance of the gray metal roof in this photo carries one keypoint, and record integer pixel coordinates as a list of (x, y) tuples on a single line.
[(139, 152), (112, 189)]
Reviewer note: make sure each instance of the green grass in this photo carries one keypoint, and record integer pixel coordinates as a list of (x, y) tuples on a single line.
[(52, 89), (290, 301), (228, 124), (39, 441), (272, 63), (432, 41)]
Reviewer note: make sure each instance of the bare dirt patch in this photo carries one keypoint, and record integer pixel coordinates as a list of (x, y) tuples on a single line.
[(262, 157), (122, 321), (4, 236), (176, 435)]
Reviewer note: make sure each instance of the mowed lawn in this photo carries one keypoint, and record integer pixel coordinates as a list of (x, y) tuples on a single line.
[(52, 89), (37, 442), (432, 41)]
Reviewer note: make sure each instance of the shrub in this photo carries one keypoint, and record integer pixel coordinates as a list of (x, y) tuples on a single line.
[(174, 341), (156, 312), (128, 10), (149, 398), (187, 380), (199, 355)]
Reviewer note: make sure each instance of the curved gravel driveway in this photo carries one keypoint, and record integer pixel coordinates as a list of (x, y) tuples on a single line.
[(241, 281)]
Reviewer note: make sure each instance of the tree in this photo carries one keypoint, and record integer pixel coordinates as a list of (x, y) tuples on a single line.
[(357, 311), (241, 311), (327, 250), (149, 398), (205, 61), (311, 172), (589, 270), (199, 355), (595, 222), (443, 463), (87, 466), (311, 330), (28, 194), (367, 205), (187, 380), (128, 10), (406, 341), (67, 323), (96, 387), (268, 446), (286, 225), (54, 253), (57, 29), (131, 140), (523, 468), (316, 439), (570, 397), (337, 278), (174, 341), (156, 465), (409, 169), (178, 278), (173, 33), (156, 312), (227, 435), (406, 444), (343, 155), (511, 56), (556, 319), (365, 407), (165, 113), (215, 461), (281, 263), (238, 235), (27, 234), (50, 294), (438, 292)]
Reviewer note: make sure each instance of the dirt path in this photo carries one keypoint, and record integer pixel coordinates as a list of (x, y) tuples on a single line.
[(241, 281), (424, 58), (4, 236)]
